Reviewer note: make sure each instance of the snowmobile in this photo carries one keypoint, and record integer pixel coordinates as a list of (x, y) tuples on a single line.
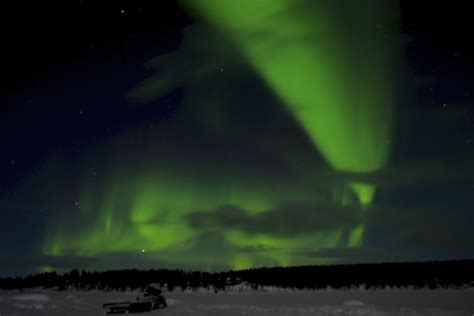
[(152, 300)]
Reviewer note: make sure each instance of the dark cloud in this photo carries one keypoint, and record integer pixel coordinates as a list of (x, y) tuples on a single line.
[(57, 262), (287, 220)]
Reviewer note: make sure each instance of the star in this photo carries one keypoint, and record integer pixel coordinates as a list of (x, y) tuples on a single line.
[(122, 11), (444, 105)]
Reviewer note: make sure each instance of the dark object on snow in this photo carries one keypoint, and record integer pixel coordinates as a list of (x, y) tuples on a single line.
[(152, 300), (152, 292)]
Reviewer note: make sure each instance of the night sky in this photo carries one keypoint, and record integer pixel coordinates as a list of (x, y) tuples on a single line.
[(219, 134)]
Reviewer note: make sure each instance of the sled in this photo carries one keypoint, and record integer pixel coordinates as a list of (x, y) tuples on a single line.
[(135, 307)]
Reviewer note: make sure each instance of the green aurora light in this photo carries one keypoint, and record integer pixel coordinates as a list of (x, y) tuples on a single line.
[(333, 65), (147, 209)]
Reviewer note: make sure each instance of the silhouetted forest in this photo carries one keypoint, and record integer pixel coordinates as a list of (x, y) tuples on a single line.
[(433, 275)]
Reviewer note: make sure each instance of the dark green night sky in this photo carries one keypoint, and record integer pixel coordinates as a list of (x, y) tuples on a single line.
[(225, 135)]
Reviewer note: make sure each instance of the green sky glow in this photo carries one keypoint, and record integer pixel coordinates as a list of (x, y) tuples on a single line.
[(146, 213), (332, 64)]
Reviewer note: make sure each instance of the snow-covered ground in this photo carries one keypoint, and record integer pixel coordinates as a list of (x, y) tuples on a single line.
[(352, 302)]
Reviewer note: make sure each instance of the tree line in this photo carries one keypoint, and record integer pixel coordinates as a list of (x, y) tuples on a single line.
[(433, 275)]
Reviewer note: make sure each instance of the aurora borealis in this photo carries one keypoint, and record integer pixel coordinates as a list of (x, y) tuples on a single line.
[(334, 67), (239, 134)]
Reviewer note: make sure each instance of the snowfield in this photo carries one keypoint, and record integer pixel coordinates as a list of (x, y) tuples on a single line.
[(269, 302)]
